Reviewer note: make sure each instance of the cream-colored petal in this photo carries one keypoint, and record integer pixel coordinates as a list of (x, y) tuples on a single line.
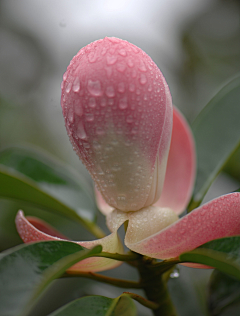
[(145, 223)]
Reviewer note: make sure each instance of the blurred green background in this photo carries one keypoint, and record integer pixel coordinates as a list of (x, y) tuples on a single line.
[(195, 43)]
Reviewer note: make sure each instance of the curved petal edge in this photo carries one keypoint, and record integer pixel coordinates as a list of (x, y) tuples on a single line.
[(215, 219), (111, 243), (181, 167)]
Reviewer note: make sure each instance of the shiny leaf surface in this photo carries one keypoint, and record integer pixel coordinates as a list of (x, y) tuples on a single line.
[(216, 131), (99, 305)]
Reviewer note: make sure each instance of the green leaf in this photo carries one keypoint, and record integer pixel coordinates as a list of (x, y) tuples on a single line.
[(216, 259), (98, 305), (224, 291), (51, 177), (27, 270), (217, 135), (227, 245)]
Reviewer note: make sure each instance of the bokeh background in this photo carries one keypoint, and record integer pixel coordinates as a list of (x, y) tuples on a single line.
[(195, 43)]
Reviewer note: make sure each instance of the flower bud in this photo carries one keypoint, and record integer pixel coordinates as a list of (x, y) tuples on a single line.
[(118, 114)]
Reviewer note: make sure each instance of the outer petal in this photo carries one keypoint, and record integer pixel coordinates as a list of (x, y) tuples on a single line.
[(118, 113), (181, 166), (29, 233), (102, 205), (216, 219)]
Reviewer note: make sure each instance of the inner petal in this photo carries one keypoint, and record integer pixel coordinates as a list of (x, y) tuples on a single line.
[(147, 222)]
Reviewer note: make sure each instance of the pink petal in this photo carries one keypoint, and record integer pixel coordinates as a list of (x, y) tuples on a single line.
[(118, 114), (217, 219), (181, 166), (29, 233), (102, 205)]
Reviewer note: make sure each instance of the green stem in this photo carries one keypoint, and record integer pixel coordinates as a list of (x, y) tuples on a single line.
[(142, 300), (155, 287), (104, 279)]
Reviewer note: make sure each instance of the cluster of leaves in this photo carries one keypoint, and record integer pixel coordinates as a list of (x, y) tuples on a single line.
[(28, 176)]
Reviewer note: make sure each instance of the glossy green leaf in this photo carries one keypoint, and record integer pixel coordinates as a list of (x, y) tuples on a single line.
[(216, 259), (99, 305), (227, 245), (224, 291), (25, 271), (217, 135), (52, 177)]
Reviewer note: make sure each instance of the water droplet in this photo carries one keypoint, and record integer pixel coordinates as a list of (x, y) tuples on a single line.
[(92, 103), (110, 92), (65, 76), (81, 131), (111, 59), (89, 117), (121, 67), (121, 87), (86, 145), (70, 115), (122, 52), (149, 88), (99, 131), (103, 102), (174, 274), (94, 87), (131, 87), (123, 103), (92, 57), (142, 66), (130, 63), (62, 84), (143, 79), (76, 85), (104, 50), (129, 119), (78, 109), (69, 87)]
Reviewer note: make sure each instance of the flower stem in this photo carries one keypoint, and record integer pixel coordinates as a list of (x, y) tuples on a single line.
[(104, 279), (155, 287), (142, 300)]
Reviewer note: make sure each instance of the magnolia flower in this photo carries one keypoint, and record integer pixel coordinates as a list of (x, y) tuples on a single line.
[(140, 152)]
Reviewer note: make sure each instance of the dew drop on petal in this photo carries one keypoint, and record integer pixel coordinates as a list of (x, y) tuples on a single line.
[(69, 87), (130, 63), (121, 87), (92, 103), (76, 85), (81, 131), (99, 131), (89, 117), (111, 59), (94, 87), (92, 57), (123, 103), (122, 52), (142, 66), (143, 79), (70, 115), (121, 67), (110, 91), (129, 119), (65, 76), (78, 110), (103, 102), (131, 87)]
